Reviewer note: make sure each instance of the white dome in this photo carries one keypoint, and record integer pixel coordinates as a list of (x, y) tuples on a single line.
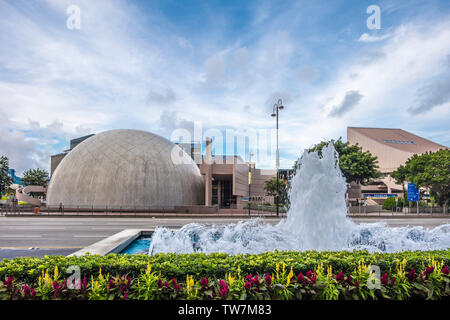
[(126, 169)]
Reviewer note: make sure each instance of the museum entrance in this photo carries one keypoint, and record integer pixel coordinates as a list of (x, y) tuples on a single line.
[(222, 193)]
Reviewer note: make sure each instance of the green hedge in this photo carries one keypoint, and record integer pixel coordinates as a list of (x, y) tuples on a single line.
[(273, 275), (216, 264)]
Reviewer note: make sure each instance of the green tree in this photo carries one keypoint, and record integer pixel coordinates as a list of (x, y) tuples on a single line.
[(430, 170), (271, 188), (35, 177), (356, 165), (5, 179), (399, 176)]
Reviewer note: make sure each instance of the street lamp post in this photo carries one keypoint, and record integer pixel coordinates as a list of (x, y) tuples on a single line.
[(277, 106), (249, 179)]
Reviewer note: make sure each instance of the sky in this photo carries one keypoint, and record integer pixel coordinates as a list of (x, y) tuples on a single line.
[(162, 66)]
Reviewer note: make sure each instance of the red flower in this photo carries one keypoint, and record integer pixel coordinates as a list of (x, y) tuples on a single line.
[(204, 282), (26, 290), (160, 284), (392, 282), (309, 274), (111, 284), (268, 280), (255, 280), (412, 275), (300, 278), (340, 277), (385, 279), (84, 285), (223, 292), (125, 296), (428, 271), (445, 270), (248, 285), (166, 284), (356, 283), (33, 293), (349, 279), (313, 278)]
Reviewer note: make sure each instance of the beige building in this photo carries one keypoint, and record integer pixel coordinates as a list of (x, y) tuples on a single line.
[(393, 147), (227, 180)]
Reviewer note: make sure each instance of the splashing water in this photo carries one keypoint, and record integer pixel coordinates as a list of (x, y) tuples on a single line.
[(316, 221)]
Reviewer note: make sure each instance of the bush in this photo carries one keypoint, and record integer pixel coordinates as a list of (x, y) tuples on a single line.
[(390, 204), (430, 280), (214, 264)]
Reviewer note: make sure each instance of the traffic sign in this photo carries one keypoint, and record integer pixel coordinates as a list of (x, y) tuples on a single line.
[(413, 192)]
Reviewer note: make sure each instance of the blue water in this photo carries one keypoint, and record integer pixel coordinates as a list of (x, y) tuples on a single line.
[(138, 246)]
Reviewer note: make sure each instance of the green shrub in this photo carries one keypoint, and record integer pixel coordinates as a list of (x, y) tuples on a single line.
[(390, 203), (431, 280), (214, 264)]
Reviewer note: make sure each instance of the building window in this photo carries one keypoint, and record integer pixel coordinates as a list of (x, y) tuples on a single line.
[(399, 141)]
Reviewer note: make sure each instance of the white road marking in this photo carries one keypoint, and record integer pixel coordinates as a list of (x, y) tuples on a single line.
[(20, 236)]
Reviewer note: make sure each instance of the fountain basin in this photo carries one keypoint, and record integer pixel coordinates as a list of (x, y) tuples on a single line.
[(117, 243)]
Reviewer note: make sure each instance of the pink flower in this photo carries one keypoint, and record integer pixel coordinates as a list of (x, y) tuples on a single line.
[(356, 283), (412, 275), (33, 293), (428, 271), (309, 274), (166, 284), (384, 279), (84, 285), (349, 279), (204, 282), (340, 277), (160, 284), (445, 270), (125, 296), (223, 292), (111, 284), (300, 278), (392, 282), (255, 280), (313, 278), (268, 280), (248, 285), (26, 290)]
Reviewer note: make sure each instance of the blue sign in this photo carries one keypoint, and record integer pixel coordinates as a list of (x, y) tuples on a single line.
[(413, 192), (380, 195)]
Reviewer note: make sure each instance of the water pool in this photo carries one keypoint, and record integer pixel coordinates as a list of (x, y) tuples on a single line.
[(138, 246)]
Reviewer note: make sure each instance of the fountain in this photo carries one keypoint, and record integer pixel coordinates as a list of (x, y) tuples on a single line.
[(316, 221)]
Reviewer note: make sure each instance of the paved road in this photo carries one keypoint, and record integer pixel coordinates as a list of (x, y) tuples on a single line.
[(62, 235)]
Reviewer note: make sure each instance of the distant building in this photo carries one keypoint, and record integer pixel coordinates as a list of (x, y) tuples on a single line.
[(194, 150), (393, 147), (56, 159), (227, 180)]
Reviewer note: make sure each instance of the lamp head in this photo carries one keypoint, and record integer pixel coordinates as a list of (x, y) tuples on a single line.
[(273, 115)]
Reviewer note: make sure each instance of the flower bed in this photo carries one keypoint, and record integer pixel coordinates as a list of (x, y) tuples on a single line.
[(272, 275)]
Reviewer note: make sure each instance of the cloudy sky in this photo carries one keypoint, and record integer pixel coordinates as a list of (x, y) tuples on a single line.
[(162, 65)]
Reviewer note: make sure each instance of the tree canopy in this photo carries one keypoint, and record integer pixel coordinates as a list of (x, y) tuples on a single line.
[(5, 179), (36, 177), (429, 170), (271, 188), (356, 165)]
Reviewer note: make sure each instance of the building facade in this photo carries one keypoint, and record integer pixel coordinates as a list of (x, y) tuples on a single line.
[(392, 147)]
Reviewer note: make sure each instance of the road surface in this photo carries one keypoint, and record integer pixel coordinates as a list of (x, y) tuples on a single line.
[(62, 235)]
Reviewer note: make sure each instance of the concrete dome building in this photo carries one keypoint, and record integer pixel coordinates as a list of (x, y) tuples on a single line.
[(126, 169)]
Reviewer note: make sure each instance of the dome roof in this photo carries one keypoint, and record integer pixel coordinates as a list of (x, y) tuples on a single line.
[(126, 169)]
